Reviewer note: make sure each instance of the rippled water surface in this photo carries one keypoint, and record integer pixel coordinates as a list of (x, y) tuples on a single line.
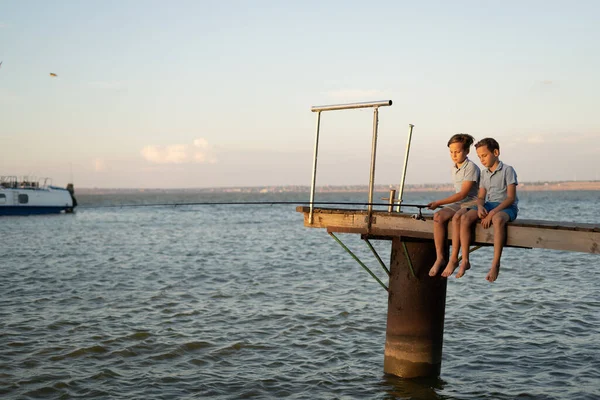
[(245, 302)]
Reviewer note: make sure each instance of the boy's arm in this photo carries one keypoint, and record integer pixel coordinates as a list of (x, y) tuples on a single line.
[(464, 191), (511, 195), (481, 211)]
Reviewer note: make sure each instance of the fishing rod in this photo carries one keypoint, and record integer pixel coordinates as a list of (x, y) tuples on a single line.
[(230, 203)]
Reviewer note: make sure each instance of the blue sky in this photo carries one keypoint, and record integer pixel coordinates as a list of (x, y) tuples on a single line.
[(202, 94)]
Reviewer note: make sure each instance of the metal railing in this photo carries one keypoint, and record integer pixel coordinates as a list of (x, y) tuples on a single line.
[(401, 188), (369, 104)]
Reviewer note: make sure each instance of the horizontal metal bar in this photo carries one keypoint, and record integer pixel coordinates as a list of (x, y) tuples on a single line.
[(366, 104)]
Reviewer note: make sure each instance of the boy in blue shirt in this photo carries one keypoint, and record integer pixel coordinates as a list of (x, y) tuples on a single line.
[(498, 186)]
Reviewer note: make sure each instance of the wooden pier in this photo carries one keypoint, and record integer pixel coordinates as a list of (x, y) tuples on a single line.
[(555, 235), (416, 301)]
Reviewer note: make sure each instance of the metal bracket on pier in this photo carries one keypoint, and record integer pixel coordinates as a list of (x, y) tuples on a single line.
[(408, 261), (387, 271), (359, 261), (472, 249)]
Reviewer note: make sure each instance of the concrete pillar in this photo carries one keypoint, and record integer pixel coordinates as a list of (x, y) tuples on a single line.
[(416, 306)]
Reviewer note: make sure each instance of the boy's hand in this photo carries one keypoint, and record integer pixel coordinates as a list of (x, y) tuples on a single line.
[(487, 221), (433, 205), (481, 212)]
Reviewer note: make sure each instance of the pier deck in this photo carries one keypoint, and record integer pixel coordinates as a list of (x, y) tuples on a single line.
[(555, 235)]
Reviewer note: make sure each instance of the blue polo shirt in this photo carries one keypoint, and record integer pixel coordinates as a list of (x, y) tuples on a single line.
[(496, 183), (467, 172)]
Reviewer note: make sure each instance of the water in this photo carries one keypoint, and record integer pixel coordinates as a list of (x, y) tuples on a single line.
[(231, 302)]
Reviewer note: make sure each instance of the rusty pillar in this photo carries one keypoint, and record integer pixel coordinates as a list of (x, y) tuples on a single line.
[(416, 305)]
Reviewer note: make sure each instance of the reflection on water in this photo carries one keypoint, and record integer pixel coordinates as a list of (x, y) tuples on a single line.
[(422, 388)]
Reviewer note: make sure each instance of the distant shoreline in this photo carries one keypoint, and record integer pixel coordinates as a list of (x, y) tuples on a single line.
[(526, 186)]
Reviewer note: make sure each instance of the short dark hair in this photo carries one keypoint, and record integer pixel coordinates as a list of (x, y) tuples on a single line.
[(489, 142), (464, 138)]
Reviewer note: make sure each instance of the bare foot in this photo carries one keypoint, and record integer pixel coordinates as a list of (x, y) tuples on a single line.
[(452, 264), (464, 266), (436, 266), (493, 274)]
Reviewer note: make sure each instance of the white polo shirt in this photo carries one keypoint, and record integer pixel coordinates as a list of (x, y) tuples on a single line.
[(467, 172)]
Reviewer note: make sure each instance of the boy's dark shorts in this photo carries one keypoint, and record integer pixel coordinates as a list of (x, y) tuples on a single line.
[(512, 211)]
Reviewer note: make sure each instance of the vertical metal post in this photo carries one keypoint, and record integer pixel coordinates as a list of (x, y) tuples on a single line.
[(391, 200), (373, 154), (314, 171), (401, 189)]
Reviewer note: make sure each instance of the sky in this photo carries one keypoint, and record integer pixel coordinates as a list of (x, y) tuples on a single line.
[(191, 94)]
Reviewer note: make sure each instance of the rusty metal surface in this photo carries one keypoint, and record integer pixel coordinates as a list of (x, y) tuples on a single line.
[(416, 306)]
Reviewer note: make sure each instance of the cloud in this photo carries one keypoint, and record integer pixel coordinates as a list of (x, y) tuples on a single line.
[(199, 152), (99, 165), (354, 94), (556, 138), (578, 138), (531, 139), (3, 25), (535, 139)]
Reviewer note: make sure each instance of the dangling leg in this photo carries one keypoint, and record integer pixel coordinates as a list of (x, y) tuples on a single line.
[(453, 261), (440, 220), (466, 223), (499, 221)]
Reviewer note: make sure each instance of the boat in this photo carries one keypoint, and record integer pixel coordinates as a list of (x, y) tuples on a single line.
[(31, 196)]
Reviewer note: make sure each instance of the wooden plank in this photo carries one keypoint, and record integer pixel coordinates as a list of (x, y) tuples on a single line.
[(380, 234), (568, 236), (556, 239)]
